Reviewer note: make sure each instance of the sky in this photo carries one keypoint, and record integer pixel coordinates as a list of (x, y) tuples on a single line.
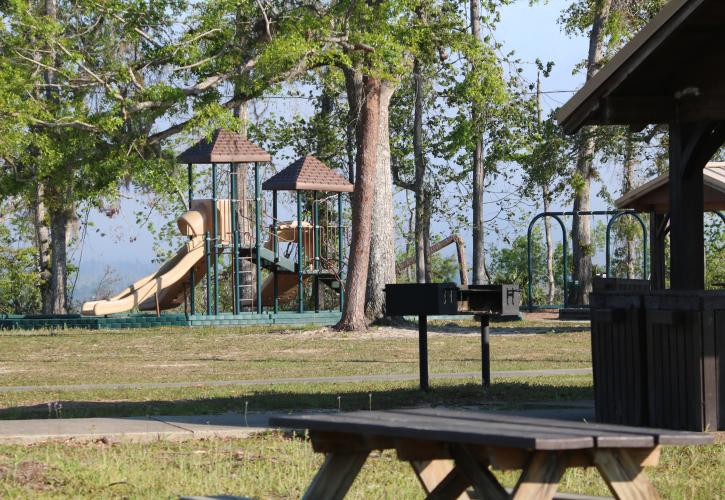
[(532, 32)]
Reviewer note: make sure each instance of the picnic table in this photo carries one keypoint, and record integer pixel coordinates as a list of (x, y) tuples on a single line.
[(451, 451)]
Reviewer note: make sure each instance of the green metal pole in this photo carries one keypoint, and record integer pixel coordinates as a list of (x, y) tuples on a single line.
[(215, 229), (207, 254), (300, 252), (275, 239), (316, 233), (340, 250), (192, 275), (234, 170), (258, 236)]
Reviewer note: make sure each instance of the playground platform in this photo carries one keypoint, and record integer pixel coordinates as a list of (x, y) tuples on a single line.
[(124, 321)]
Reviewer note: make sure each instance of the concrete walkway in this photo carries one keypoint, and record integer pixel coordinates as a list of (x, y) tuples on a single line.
[(180, 428), (300, 380)]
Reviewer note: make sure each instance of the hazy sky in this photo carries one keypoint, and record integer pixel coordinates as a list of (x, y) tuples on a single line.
[(533, 32)]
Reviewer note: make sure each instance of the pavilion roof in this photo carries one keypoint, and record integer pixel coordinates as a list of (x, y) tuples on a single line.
[(670, 71), (308, 174), (225, 146), (655, 194)]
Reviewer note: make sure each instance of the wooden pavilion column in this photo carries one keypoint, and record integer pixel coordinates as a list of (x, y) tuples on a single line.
[(657, 236), (691, 147)]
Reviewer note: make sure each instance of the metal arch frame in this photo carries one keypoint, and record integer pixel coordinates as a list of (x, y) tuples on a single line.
[(720, 214), (615, 217), (557, 216)]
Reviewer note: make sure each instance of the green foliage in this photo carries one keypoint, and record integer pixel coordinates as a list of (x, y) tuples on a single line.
[(19, 293), (510, 265), (714, 251)]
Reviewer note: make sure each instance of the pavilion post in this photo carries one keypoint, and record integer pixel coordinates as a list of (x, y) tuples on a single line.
[(215, 238), (275, 240), (687, 232), (258, 236), (235, 235), (340, 249), (316, 240), (300, 255), (192, 274), (657, 250)]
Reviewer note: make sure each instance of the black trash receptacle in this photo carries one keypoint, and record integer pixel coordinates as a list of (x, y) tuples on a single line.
[(619, 359), (685, 353)]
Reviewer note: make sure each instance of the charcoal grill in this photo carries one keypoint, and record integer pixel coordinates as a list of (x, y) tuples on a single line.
[(435, 299)]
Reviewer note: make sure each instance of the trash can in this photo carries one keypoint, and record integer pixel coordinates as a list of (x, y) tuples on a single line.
[(619, 359), (685, 336)]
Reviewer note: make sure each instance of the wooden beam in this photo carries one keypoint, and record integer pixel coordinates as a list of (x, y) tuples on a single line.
[(691, 146), (335, 477), (624, 475), (440, 479), (540, 479), (483, 481), (657, 251)]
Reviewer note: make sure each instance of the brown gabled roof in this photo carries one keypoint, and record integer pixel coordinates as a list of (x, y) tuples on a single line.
[(666, 73), (655, 194), (225, 146), (308, 174)]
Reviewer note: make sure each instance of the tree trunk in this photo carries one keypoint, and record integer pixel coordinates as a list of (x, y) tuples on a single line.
[(42, 245), (381, 269), (354, 90), (582, 250), (422, 248), (551, 283), (59, 220), (353, 314), (480, 275), (628, 184)]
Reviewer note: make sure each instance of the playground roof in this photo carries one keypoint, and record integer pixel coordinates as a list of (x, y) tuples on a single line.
[(655, 194), (669, 71), (225, 146), (308, 174)]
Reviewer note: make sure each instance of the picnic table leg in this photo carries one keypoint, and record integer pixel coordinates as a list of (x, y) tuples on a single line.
[(624, 475), (336, 475), (540, 478), (440, 479), (483, 481)]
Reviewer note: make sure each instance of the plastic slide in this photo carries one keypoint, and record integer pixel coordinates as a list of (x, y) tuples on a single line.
[(167, 284), (285, 283)]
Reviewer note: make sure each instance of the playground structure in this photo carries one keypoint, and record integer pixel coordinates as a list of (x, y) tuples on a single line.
[(236, 229), (264, 258)]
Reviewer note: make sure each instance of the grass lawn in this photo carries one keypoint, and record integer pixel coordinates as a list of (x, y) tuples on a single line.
[(200, 354), (168, 355), (275, 466), (504, 392)]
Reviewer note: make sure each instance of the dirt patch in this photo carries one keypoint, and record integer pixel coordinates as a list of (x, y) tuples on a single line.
[(31, 474)]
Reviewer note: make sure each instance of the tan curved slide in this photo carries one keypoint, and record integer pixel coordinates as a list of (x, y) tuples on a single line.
[(168, 281), (285, 283)]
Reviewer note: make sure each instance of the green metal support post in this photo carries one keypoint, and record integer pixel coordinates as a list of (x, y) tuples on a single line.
[(316, 233), (258, 236), (234, 170), (275, 239), (192, 275), (340, 249), (207, 255), (215, 230), (300, 252)]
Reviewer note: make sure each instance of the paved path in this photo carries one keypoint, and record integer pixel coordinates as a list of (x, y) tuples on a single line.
[(278, 381), (180, 428)]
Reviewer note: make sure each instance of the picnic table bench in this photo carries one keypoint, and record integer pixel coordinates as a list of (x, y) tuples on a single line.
[(450, 451)]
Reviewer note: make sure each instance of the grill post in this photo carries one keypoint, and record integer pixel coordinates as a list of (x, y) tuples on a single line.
[(485, 350), (423, 350)]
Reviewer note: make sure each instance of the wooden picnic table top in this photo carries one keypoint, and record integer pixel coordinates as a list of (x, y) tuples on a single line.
[(489, 429)]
